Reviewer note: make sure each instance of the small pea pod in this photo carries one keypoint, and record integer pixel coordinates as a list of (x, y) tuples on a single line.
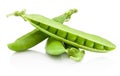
[(69, 35), (54, 47), (36, 36)]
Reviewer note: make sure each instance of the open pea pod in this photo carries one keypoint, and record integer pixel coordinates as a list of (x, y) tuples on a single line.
[(69, 35)]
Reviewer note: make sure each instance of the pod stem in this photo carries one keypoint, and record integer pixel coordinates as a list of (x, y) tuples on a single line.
[(17, 13), (69, 13), (75, 54)]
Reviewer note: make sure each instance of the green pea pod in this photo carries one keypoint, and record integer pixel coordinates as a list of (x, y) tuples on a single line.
[(27, 41), (54, 47), (36, 36), (69, 35)]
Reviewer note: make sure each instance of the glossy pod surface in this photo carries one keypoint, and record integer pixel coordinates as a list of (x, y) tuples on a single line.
[(70, 36)]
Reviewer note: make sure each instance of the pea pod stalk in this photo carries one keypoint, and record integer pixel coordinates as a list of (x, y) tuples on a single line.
[(74, 53)]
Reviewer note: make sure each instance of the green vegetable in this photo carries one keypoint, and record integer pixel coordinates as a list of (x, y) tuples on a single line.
[(61, 38), (63, 33), (54, 47), (69, 35), (27, 41), (36, 36)]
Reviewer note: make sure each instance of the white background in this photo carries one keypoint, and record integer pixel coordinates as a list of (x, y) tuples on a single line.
[(100, 17)]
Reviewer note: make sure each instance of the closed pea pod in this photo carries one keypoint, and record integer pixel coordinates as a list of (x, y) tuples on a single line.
[(36, 36), (37, 20), (54, 47), (27, 41)]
